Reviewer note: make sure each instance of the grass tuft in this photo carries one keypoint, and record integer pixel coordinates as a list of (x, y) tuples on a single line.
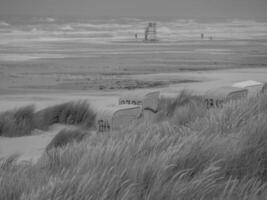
[(17, 122), (190, 153), (74, 113), (183, 109), (65, 137), (22, 121)]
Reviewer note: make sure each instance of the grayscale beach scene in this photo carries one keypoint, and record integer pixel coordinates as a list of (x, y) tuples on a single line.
[(133, 100)]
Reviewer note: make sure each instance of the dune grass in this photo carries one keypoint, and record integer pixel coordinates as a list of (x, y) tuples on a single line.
[(22, 121), (212, 154), (74, 113), (183, 109), (17, 122), (67, 136)]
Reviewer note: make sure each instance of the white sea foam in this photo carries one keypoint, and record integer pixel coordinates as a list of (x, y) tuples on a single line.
[(173, 30), (66, 28), (3, 23), (15, 58), (51, 32), (26, 57), (103, 26), (47, 19)]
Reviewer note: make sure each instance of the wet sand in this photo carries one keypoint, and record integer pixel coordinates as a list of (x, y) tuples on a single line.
[(111, 66)]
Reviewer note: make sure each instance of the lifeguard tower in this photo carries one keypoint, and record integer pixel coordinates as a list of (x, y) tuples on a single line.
[(151, 32)]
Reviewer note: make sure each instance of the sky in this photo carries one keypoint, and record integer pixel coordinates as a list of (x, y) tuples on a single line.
[(193, 9)]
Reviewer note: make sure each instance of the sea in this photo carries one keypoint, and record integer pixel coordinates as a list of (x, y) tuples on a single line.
[(28, 38)]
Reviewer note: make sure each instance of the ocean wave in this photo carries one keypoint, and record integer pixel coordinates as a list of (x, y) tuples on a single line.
[(103, 26), (124, 29), (26, 57), (47, 19), (185, 21), (36, 31), (243, 22), (165, 29), (66, 28), (3, 23)]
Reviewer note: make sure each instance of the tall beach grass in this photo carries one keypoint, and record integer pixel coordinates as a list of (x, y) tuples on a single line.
[(212, 154), (17, 122), (22, 121), (74, 113)]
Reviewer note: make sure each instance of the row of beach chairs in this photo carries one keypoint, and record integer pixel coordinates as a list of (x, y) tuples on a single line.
[(130, 107), (134, 105)]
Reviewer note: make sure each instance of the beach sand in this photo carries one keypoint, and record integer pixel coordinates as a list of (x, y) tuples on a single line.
[(101, 78), (112, 66)]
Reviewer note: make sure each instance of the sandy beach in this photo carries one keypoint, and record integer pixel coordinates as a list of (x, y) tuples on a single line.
[(133, 100), (202, 81), (64, 136), (100, 75), (31, 147)]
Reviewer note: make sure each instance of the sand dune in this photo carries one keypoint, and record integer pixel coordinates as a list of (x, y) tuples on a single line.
[(32, 147), (29, 148)]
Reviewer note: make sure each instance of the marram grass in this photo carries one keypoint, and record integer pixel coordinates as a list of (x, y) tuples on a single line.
[(22, 121), (214, 154)]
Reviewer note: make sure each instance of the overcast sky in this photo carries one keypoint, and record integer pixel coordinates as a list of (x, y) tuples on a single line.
[(242, 9)]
